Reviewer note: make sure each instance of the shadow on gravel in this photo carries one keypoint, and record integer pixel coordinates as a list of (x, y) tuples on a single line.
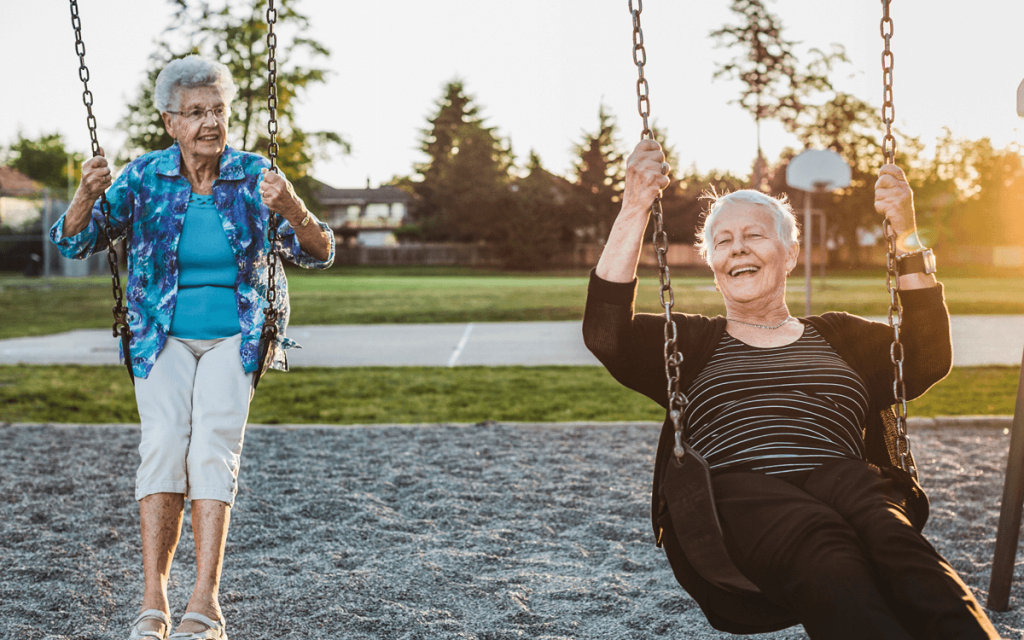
[(488, 532)]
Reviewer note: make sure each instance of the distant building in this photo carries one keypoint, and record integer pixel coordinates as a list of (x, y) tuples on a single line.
[(367, 216), (19, 198)]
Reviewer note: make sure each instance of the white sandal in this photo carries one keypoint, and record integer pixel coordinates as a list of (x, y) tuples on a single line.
[(150, 614), (214, 632)]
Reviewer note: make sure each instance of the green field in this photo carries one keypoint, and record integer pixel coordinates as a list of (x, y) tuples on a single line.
[(383, 395), (423, 295)]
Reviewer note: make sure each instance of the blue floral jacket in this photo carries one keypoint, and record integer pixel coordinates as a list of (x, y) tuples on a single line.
[(147, 204)]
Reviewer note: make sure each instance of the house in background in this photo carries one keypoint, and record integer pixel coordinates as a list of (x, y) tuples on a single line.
[(367, 216), (20, 198)]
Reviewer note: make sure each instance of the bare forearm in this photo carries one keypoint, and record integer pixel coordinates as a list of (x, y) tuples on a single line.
[(646, 176), (622, 251), (78, 215), (314, 241)]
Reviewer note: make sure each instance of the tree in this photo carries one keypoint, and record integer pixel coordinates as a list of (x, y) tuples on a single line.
[(775, 87), (599, 172), (235, 35), (685, 201), (850, 127), (533, 228), (45, 160), (466, 173), (989, 193)]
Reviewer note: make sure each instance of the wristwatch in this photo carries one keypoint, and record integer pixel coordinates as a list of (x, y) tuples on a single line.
[(922, 261), (306, 219)]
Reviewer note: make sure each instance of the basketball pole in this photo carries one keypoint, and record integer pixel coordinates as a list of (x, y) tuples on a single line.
[(808, 196)]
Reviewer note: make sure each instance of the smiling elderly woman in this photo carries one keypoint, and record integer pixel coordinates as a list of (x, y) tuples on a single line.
[(195, 216), (787, 413)]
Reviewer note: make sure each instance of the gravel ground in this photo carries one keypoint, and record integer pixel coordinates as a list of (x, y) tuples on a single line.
[(485, 532)]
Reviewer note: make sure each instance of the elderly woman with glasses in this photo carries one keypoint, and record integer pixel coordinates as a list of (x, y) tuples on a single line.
[(195, 217)]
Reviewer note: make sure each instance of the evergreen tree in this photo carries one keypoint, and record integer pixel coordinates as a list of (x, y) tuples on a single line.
[(466, 174), (599, 172), (235, 34), (534, 229)]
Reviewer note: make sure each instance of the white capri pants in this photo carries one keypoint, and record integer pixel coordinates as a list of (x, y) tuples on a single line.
[(193, 407)]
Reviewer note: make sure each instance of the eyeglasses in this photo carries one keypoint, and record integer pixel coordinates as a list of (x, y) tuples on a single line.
[(196, 115)]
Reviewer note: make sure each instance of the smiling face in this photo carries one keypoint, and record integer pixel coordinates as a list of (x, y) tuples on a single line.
[(749, 261), (202, 138)]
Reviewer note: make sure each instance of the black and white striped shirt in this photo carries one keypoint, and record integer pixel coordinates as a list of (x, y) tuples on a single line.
[(777, 410)]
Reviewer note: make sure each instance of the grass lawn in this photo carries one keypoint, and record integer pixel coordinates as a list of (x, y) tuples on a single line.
[(450, 294), (380, 395)]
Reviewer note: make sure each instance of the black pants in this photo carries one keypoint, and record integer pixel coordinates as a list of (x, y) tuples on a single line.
[(837, 547)]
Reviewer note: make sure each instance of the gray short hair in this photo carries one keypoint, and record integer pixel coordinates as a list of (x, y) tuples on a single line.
[(785, 219), (188, 72)]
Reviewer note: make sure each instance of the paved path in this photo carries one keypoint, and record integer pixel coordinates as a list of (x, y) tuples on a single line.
[(977, 340)]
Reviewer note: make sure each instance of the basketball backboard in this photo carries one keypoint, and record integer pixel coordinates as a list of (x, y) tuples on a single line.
[(818, 170)]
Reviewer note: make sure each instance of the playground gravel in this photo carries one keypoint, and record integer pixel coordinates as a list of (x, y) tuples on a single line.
[(477, 532)]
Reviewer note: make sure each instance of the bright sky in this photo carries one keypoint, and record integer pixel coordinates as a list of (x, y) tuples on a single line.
[(539, 70)]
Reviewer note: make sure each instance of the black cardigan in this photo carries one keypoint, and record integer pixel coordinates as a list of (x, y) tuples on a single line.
[(631, 347)]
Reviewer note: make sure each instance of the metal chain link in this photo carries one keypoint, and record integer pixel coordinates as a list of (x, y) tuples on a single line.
[(120, 326), (677, 401), (271, 313), (892, 280)]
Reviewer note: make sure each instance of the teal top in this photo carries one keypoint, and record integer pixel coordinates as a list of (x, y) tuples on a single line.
[(207, 273)]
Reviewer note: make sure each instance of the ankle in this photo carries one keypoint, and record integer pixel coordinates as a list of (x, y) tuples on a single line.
[(206, 606), (157, 602)]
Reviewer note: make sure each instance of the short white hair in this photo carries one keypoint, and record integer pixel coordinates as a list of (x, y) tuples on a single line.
[(189, 72), (782, 212)]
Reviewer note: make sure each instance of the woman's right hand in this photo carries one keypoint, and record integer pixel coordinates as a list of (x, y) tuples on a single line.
[(647, 174), (96, 177)]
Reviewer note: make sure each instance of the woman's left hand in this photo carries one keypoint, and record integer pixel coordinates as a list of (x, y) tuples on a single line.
[(279, 195), (895, 200)]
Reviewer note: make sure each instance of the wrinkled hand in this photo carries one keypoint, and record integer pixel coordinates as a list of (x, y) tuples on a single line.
[(96, 177), (279, 195), (647, 174), (895, 200)]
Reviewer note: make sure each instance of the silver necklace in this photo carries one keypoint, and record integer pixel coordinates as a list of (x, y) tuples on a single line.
[(762, 326)]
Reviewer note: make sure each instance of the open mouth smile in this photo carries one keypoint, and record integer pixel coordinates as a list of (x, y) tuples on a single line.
[(745, 270)]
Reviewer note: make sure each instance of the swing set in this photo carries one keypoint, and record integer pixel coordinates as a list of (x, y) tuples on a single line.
[(271, 313), (743, 608)]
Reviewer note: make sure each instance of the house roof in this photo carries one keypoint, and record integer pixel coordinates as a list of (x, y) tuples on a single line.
[(328, 195), (14, 183)]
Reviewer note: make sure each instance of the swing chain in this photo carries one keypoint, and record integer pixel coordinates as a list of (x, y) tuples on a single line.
[(677, 401), (892, 279), (270, 313), (120, 327), (643, 90), (888, 109)]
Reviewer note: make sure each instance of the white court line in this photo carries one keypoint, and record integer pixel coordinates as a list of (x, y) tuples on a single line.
[(462, 345)]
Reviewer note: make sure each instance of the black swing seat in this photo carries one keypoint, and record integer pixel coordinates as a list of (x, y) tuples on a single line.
[(691, 533)]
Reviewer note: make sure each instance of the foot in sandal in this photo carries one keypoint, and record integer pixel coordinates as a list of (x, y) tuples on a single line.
[(152, 624), (196, 626)]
